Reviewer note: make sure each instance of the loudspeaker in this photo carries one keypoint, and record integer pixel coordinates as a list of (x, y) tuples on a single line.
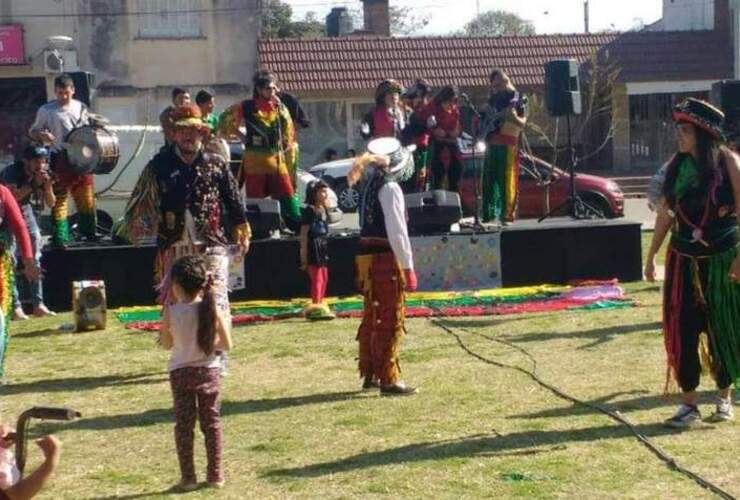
[(84, 86), (433, 211), (89, 305), (263, 215), (726, 96), (562, 87)]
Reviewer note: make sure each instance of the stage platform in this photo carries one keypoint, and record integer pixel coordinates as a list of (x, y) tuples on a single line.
[(526, 253)]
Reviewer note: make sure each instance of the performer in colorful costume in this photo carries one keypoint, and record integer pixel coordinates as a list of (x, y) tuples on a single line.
[(189, 199), (443, 119), (701, 303), (387, 117), (416, 98), (385, 267), (270, 152), (501, 127), (11, 224), (54, 121)]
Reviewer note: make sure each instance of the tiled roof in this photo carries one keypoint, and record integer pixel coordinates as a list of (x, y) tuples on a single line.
[(359, 63)]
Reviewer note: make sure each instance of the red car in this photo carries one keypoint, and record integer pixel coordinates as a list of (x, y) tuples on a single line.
[(599, 192)]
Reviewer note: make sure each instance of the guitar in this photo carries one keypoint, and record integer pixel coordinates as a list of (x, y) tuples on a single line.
[(493, 121)]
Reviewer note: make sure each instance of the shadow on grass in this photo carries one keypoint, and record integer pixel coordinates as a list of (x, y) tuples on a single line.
[(168, 491), (470, 446), (163, 415), (49, 332), (77, 384), (641, 403), (598, 335)]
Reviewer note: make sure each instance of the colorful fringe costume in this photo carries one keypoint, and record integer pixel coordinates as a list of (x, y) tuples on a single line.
[(501, 166), (701, 306), (270, 159), (191, 208), (384, 251), (12, 224), (382, 284)]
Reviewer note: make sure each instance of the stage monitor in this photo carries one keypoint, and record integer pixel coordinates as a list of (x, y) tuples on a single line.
[(433, 211), (263, 215)]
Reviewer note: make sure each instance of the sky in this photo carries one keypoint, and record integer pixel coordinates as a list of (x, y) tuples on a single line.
[(548, 16)]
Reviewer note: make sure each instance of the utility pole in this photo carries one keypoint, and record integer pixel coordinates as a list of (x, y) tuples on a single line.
[(477, 8), (585, 14)]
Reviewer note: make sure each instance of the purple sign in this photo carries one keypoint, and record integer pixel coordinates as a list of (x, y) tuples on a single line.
[(11, 45)]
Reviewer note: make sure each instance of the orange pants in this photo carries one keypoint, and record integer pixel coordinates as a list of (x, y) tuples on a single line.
[(382, 327)]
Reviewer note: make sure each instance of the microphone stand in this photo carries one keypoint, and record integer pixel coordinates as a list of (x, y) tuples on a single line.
[(473, 148)]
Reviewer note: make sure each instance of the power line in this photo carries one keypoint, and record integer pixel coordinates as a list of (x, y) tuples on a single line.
[(135, 13)]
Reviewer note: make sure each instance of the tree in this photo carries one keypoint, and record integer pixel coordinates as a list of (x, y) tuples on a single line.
[(498, 23), (405, 23), (402, 19), (276, 22)]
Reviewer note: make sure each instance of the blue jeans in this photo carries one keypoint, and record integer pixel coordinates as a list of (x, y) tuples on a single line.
[(35, 288)]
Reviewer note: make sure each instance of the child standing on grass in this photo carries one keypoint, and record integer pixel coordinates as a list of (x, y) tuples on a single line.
[(314, 247), (193, 329)]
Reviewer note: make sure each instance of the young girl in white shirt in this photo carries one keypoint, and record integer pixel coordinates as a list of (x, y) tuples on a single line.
[(193, 329)]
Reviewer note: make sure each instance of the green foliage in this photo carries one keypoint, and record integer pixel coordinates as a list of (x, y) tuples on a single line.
[(498, 23), (277, 23)]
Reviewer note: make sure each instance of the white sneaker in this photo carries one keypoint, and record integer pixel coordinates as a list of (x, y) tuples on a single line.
[(722, 411), (685, 417)]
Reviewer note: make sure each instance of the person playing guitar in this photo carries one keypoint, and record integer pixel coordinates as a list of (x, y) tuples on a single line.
[(501, 127)]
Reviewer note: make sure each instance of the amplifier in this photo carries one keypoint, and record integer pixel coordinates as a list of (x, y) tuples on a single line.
[(263, 215), (433, 211)]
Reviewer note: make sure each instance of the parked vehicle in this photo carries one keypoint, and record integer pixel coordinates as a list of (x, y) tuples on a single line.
[(599, 192)]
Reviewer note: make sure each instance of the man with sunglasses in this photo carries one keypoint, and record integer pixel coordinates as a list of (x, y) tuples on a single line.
[(266, 128)]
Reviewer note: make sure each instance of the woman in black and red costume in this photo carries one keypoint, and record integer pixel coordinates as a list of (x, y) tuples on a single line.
[(701, 304)]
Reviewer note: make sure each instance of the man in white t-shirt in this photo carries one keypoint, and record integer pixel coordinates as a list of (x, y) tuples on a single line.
[(54, 121)]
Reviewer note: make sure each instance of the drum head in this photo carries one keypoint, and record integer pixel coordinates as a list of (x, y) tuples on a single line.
[(92, 150)]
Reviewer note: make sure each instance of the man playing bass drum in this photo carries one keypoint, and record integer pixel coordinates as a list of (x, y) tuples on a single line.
[(54, 121)]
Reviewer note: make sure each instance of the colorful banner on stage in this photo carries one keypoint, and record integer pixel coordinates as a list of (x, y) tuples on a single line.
[(458, 261)]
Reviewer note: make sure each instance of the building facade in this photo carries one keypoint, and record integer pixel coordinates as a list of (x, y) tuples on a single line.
[(136, 50)]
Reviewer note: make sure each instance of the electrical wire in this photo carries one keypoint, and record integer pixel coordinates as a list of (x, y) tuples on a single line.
[(137, 151), (614, 415)]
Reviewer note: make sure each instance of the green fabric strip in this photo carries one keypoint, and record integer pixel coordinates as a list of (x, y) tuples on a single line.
[(723, 300)]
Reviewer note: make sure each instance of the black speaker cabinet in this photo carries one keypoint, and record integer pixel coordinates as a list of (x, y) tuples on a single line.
[(432, 211), (263, 215), (726, 96), (84, 86), (562, 87)]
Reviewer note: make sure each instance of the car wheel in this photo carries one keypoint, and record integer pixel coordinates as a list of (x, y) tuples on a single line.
[(599, 203), (348, 198)]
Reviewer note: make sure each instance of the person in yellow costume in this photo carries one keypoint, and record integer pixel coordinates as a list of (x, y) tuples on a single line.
[(270, 148)]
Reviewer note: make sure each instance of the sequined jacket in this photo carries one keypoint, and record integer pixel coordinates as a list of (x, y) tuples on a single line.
[(168, 187)]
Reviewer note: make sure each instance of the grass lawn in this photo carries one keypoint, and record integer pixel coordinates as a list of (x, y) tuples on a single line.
[(296, 425)]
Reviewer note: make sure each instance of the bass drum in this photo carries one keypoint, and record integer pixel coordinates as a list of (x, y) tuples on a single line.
[(92, 149)]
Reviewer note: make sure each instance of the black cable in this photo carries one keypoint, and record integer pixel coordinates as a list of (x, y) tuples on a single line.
[(614, 415)]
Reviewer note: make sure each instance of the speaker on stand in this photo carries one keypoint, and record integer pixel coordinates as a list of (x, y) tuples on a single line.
[(563, 98), (726, 96)]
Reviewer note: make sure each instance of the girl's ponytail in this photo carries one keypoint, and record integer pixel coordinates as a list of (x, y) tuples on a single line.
[(207, 317)]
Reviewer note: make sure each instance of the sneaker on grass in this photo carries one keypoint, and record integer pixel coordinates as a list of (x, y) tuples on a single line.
[(685, 417), (722, 411)]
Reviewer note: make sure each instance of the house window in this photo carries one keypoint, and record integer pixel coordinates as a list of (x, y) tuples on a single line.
[(169, 18)]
